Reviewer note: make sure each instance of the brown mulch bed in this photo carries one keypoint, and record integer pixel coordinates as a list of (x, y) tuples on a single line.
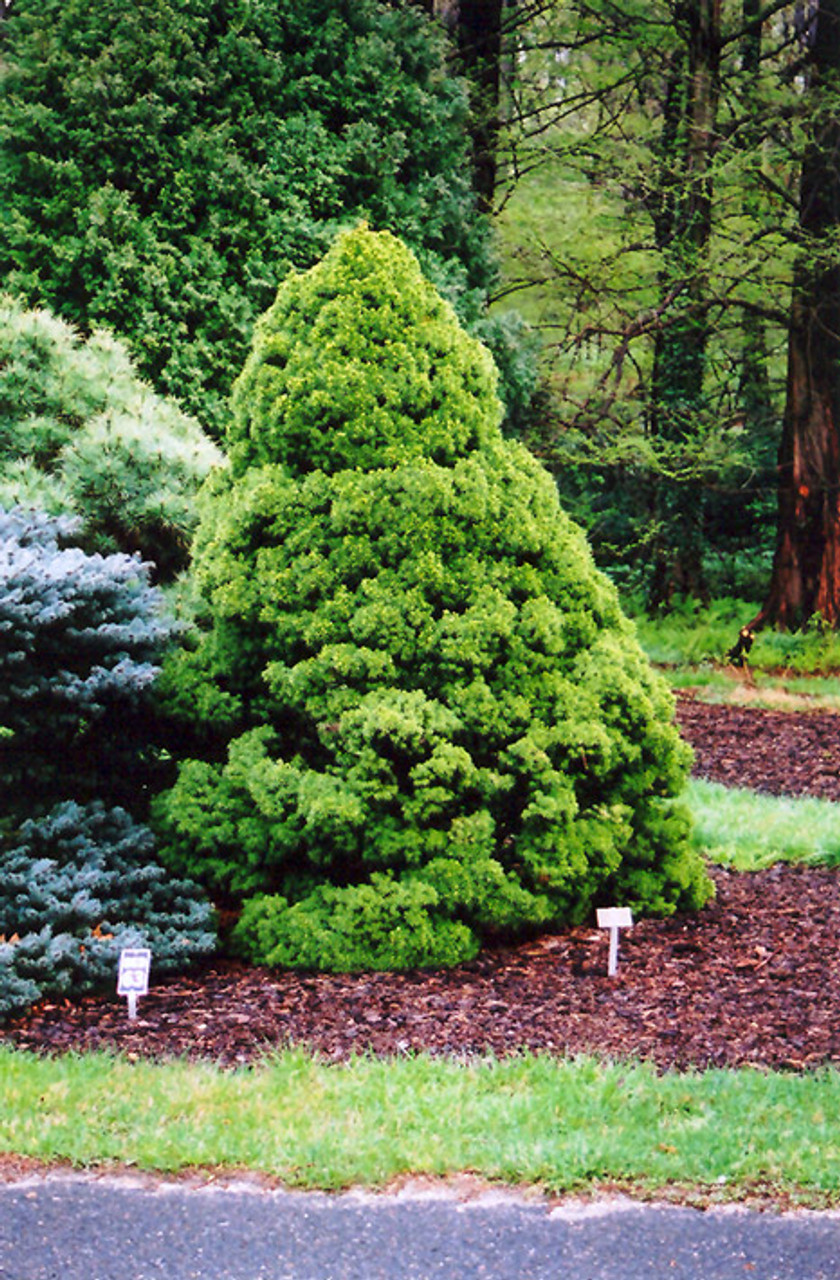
[(752, 979), (780, 752)]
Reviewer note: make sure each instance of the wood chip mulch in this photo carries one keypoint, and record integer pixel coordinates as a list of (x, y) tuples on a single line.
[(780, 752), (752, 979)]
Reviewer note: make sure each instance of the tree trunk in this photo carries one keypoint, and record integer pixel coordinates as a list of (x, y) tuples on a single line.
[(806, 567), (683, 229), (477, 28)]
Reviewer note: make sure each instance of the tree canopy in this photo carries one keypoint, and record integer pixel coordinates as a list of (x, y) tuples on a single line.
[(692, 149), (436, 724)]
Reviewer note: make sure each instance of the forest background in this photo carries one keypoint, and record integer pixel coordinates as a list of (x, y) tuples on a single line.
[(687, 286)]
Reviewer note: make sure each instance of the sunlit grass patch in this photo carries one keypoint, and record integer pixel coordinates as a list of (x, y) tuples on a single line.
[(746, 830)]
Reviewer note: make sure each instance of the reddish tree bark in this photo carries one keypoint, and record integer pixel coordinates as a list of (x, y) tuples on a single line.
[(806, 567)]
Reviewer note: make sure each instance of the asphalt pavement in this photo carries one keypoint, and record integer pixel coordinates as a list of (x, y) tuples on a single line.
[(73, 1227)]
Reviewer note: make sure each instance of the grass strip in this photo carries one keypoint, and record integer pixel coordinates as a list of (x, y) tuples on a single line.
[(563, 1125), (730, 687), (743, 829)]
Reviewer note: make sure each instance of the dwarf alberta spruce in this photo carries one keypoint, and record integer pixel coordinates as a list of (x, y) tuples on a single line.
[(439, 726)]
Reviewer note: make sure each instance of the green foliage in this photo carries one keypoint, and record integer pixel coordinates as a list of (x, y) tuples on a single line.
[(156, 160), (336, 378), (81, 640), (429, 689), (81, 434), (76, 887), (383, 924)]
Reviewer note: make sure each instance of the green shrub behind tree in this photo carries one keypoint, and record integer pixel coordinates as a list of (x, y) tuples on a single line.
[(439, 726), (81, 434)]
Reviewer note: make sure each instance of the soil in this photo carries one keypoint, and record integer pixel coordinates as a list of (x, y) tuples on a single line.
[(753, 979), (780, 752)]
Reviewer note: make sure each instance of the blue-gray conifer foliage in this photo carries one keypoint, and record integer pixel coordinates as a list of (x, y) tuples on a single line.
[(81, 641), (82, 637), (77, 887)]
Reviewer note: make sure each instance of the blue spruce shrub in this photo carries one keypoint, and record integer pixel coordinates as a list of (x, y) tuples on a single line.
[(76, 887), (82, 638)]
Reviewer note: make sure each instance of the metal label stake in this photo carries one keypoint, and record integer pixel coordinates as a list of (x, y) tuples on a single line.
[(614, 918), (133, 976)]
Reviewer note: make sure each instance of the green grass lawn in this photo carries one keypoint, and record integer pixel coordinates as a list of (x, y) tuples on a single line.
[(738, 828), (562, 1126)]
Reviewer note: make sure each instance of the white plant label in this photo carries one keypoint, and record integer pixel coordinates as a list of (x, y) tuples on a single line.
[(614, 918), (133, 976)]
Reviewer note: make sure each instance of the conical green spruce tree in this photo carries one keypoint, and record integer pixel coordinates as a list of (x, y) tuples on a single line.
[(440, 727)]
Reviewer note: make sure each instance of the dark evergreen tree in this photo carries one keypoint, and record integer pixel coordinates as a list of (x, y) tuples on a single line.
[(164, 162)]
